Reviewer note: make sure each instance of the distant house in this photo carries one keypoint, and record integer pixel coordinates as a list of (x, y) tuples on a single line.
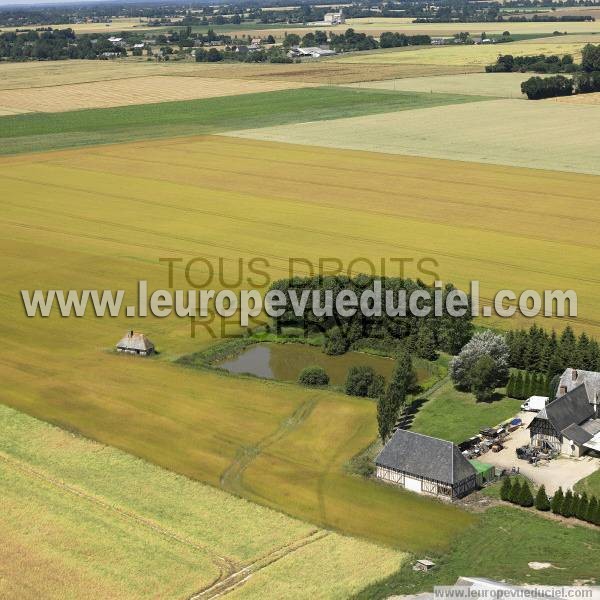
[(334, 18), (135, 343), (570, 424), (117, 41), (440, 41), (256, 41), (425, 465), (310, 52), (140, 46)]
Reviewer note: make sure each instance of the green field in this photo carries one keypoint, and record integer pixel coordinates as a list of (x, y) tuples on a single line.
[(46, 131), (500, 548), (456, 416), (590, 485), (110, 525)]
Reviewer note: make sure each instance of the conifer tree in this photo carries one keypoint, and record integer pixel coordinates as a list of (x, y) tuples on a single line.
[(515, 492), (592, 510), (525, 497), (541, 500), (510, 388), (506, 489), (575, 504), (527, 386), (567, 505), (582, 507), (557, 501), (519, 386)]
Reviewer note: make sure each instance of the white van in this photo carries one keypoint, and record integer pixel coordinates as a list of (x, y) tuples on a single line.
[(535, 403)]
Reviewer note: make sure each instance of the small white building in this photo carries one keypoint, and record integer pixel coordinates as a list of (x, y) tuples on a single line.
[(334, 18), (135, 343), (310, 52)]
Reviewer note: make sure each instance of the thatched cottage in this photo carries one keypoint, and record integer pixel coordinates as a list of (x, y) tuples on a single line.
[(135, 343)]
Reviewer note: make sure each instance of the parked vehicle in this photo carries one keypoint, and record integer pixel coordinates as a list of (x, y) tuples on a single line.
[(535, 403)]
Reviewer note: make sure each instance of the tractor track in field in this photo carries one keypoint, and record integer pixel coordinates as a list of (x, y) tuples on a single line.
[(225, 565), (243, 575), (231, 478)]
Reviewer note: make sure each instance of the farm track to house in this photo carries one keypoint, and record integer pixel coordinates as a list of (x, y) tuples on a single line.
[(240, 577), (225, 565), (231, 478)]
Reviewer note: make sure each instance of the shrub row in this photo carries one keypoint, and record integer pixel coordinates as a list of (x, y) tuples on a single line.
[(568, 505)]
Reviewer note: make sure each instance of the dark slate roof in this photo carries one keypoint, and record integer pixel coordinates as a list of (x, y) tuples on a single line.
[(425, 456), (577, 434), (572, 408), (592, 426)]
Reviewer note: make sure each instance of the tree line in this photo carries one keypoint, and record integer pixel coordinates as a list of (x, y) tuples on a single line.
[(422, 335), (567, 505), (539, 351), (586, 78)]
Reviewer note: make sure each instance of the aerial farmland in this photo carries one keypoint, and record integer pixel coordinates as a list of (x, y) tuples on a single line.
[(224, 458)]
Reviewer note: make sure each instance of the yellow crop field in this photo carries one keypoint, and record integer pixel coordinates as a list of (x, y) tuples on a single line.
[(115, 526), (26, 76), (501, 85), (591, 99), (137, 90), (101, 218), (494, 131), (471, 55)]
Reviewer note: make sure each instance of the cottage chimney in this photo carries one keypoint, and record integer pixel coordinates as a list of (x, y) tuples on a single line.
[(562, 391), (574, 374)]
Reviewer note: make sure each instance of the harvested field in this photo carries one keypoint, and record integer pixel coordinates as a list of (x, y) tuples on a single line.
[(376, 26), (117, 24), (495, 131), (499, 85), (96, 534), (137, 90), (467, 56), (587, 99), (42, 74)]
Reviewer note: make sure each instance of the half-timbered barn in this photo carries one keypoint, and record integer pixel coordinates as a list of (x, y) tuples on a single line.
[(425, 465), (566, 425)]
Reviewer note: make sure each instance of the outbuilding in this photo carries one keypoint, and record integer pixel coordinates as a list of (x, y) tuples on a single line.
[(135, 343), (425, 465)]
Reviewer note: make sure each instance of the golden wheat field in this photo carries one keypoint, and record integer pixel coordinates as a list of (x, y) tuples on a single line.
[(591, 99), (473, 55), (501, 85), (98, 527), (136, 90)]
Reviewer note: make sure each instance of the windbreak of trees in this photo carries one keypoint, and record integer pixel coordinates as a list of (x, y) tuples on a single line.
[(421, 335), (537, 64), (351, 40), (537, 88), (272, 55), (538, 351), (390, 39)]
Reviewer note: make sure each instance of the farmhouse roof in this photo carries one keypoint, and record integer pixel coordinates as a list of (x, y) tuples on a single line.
[(572, 378), (572, 408), (577, 434), (425, 456), (135, 341)]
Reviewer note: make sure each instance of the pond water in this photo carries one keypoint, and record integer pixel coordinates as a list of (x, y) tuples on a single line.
[(285, 361)]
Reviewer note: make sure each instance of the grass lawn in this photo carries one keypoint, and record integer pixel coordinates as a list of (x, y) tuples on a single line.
[(590, 485), (456, 416), (37, 131), (499, 547)]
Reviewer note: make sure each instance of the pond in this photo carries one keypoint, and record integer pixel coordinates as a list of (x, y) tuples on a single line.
[(285, 361)]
